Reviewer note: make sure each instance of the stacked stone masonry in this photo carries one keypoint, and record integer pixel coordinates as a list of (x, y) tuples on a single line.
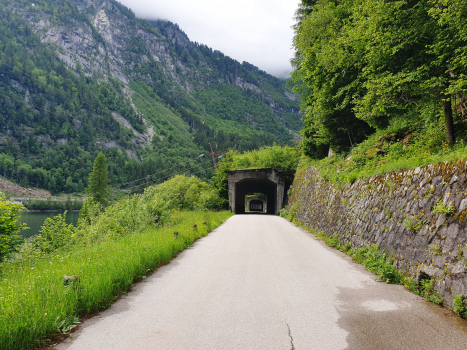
[(417, 215)]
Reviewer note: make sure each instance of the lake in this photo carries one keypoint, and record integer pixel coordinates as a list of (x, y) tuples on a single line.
[(34, 220)]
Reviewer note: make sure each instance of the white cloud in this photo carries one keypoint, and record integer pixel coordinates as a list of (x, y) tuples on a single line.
[(256, 31)]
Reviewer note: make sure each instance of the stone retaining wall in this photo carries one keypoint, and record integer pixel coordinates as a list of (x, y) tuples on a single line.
[(405, 213)]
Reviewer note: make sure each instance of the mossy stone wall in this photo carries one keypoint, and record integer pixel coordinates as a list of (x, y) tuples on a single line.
[(417, 215)]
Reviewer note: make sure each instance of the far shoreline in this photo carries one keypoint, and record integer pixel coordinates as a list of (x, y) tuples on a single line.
[(50, 211)]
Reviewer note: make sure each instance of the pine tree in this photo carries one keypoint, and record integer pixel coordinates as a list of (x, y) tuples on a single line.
[(98, 182)]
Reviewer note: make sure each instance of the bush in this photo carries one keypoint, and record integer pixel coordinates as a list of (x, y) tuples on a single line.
[(9, 227), (39, 302), (180, 193), (458, 305), (377, 262)]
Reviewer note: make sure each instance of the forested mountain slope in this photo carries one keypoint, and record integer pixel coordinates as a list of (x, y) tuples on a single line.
[(78, 77)]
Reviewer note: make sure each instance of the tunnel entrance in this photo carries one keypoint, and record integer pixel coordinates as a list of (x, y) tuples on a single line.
[(256, 206), (246, 186), (256, 202), (272, 183)]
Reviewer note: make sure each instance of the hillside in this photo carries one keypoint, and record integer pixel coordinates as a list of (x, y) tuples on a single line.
[(79, 77)]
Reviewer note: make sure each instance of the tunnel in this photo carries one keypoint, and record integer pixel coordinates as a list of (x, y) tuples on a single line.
[(247, 186), (268, 181)]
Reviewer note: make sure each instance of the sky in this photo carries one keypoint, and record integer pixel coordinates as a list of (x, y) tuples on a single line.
[(256, 31)]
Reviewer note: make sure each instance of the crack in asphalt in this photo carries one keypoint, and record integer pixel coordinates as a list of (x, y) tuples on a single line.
[(291, 338)]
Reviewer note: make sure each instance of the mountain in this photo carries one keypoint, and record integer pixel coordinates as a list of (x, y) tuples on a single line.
[(83, 76)]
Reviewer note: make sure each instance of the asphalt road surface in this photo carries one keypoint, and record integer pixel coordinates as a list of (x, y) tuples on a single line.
[(258, 282)]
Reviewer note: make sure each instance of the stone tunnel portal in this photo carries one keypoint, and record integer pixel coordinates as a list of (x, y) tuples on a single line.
[(268, 181)]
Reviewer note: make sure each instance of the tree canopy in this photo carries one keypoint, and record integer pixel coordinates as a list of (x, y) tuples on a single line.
[(360, 64)]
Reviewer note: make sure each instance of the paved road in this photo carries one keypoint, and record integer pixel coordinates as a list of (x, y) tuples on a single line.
[(258, 282)]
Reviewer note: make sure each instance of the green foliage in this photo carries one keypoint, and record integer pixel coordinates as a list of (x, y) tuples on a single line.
[(364, 65), (180, 193), (55, 120), (90, 210), (53, 205), (290, 212), (382, 265), (36, 302), (414, 224), (458, 305), (50, 141), (377, 262), (230, 103), (98, 183), (400, 146), (55, 233), (426, 289), (411, 285), (9, 227), (441, 208), (434, 249), (108, 251), (370, 256)]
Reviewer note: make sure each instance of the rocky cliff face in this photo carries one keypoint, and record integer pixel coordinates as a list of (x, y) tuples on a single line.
[(103, 39)]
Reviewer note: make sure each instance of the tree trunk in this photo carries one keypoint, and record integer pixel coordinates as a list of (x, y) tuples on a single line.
[(447, 107)]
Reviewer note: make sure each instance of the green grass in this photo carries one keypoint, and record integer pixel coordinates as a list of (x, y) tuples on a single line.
[(400, 146), (36, 304)]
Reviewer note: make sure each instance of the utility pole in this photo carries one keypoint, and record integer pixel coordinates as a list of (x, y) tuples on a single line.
[(216, 156)]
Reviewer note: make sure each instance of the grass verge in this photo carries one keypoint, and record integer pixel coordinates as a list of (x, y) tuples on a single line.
[(400, 146), (37, 302)]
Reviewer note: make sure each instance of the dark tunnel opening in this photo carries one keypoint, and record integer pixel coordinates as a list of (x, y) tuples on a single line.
[(247, 186)]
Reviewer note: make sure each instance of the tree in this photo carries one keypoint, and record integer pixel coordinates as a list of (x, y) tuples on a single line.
[(327, 74), (98, 182), (405, 69), (450, 48), (363, 63)]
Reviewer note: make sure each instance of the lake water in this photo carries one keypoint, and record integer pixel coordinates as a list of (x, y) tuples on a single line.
[(34, 220)]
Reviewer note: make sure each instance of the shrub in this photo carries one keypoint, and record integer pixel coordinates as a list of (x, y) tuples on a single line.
[(458, 306), (377, 262), (426, 289), (9, 226), (441, 208), (180, 193)]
